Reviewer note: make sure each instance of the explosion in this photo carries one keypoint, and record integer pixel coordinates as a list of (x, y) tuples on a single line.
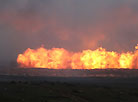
[(60, 58)]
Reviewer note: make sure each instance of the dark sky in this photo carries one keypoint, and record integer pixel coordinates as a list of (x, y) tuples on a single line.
[(71, 24)]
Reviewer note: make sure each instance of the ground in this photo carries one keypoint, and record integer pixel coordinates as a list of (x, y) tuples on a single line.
[(26, 91)]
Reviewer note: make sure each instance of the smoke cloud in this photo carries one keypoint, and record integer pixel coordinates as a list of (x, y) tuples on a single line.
[(71, 24)]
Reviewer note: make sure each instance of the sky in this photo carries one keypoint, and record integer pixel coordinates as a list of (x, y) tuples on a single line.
[(75, 25)]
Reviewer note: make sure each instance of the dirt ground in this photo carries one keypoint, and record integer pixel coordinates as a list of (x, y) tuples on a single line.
[(27, 91)]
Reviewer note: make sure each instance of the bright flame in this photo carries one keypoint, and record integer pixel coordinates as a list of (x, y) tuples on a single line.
[(59, 58)]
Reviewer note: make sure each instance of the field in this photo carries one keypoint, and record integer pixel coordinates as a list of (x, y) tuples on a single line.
[(30, 88)]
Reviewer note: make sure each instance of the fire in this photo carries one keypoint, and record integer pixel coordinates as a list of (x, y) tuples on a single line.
[(43, 58), (60, 58)]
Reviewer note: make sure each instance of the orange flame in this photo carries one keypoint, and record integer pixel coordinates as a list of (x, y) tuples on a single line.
[(59, 58)]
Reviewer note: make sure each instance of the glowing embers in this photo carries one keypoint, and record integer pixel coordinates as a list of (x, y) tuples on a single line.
[(59, 58)]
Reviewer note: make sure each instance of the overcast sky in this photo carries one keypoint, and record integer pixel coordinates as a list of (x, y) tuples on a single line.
[(71, 24)]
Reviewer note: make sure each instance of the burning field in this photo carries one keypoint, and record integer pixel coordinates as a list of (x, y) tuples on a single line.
[(60, 58), (68, 50)]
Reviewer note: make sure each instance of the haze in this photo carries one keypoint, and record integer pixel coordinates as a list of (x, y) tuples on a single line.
[(71, 24)]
